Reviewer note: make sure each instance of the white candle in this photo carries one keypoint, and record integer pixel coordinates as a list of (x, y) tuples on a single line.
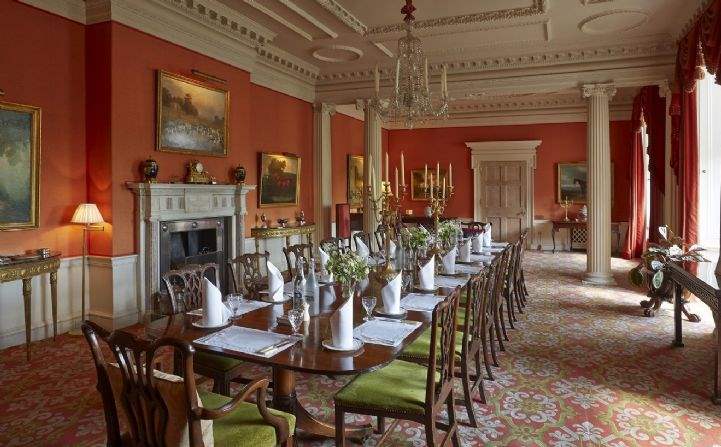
[(403, 170), (387, 176), (425, 177), (425, 73), (396, 181), (450, 174), (444, 187), (377, 79), (398, 72), (431, 186), (444, 81), (438, 173)]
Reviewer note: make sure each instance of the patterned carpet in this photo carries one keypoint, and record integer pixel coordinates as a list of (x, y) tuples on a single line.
[(582, 368)]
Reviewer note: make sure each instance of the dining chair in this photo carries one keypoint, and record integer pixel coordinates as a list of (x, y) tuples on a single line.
[(521, 275), (331, 243), (409, 391), (498, 302), (185, 294), (469, 345), (247, 272), (293, 252), (365, 238), (160, 409), (380, 236), (508, 284)]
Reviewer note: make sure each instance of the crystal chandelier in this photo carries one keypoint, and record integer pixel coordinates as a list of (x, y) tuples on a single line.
[(411, 101)]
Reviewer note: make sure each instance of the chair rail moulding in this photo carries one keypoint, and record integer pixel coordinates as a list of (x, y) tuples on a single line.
[(524, 150), (159, 202)]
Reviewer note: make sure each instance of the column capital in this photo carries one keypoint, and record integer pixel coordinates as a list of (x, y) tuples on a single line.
[(608, 90), (664, 89), (324, 107)]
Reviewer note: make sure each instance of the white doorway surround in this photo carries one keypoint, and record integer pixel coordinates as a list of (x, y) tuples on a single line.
[(504, 151)]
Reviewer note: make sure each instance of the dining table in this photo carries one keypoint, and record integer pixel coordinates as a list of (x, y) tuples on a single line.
[(307, 355)]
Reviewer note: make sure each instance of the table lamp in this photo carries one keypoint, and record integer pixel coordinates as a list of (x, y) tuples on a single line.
[(89, 216)]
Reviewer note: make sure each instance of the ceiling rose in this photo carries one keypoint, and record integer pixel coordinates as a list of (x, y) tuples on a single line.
[(337, 53), (614, 21)]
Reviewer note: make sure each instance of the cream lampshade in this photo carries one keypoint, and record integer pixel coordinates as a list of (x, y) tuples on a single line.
[(87, 213)]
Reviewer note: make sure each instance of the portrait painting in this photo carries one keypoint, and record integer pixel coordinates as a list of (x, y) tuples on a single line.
[(279, 180), (355, 180), (19, 166), (417, 182), (192, 117)]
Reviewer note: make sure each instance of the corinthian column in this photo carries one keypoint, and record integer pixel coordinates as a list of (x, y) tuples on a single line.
[(322, 165), (372, 149), (598, 269)]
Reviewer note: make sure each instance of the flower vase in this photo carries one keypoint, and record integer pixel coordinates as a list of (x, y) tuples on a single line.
[(341, 321)]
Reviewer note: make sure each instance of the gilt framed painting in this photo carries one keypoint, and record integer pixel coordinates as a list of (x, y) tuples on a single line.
[(417, 182), (279, 180), (573, 183), (19, 166), (355, 180), (192, 118)]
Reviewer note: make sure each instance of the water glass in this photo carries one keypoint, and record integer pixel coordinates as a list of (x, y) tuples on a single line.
[(295, 318), (369, 302), (234, 300)]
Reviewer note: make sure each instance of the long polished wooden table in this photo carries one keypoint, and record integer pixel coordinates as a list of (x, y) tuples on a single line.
[(306, 356)]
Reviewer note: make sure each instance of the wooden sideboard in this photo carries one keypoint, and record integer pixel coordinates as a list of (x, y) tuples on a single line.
[(286, 232), (24, 270), (578, 232)]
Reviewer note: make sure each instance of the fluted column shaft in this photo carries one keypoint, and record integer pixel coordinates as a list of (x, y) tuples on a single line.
[(372, 149), (599, 184), (322, 165)]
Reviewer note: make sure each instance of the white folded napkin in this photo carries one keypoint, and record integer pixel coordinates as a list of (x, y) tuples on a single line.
[(275, 283), (215, 312), (391, 295), (391, 249), (464, 252), (324, 257), (362, 249), (449, 261), (487, 235), (477, 242), (341, 326), (426, 275)]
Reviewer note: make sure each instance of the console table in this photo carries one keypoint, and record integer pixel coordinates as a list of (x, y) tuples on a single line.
[(23, 269), (578, 232), (287, 232)]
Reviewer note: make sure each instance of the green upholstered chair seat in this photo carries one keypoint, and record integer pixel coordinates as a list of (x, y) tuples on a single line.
[(421, 347), (216, 362), (244, 426), (400, 387)]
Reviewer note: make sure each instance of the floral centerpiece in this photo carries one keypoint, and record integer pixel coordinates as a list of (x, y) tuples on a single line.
[(415, 238), (347, 268), (448, 232)]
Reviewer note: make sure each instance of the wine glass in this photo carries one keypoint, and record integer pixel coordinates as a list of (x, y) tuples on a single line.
[(295, 318), (369, 302), (234, 301)]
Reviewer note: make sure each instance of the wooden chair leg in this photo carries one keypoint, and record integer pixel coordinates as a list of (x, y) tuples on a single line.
[(511, 312), (501, 329), (288, 442), (468, 394), (486, 355), (517, 295), (452, 425), (479, 377), (381, 425), (430, 430), (339, 427), (493, 345)]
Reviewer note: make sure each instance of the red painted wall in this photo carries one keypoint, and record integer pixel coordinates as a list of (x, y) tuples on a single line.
[(564, 142), (260, 120), (43, 65)]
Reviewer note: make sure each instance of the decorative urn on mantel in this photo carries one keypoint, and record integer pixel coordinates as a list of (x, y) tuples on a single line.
[(161, 202)]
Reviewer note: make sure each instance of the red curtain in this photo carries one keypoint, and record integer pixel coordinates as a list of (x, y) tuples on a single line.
[(636, 234), (688, 161)]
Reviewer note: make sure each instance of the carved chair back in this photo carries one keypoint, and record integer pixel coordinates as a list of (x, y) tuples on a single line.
[(365, 238), (331, 243), (145, 409), (249, 271), (294, 252), (443, 339), (185, 286), (475, 308)]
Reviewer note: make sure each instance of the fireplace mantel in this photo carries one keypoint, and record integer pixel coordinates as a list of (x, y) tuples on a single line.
[(159, 202)]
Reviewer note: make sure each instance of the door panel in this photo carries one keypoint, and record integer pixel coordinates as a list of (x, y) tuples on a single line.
[(503, 198)]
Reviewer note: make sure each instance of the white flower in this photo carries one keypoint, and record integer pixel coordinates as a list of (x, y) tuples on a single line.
[(675, 250), (656, 265)]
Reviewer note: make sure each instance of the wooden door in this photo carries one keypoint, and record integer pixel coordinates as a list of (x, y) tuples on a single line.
[(503, 198)]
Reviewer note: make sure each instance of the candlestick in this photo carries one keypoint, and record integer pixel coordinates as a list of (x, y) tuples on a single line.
[(431, 188), (403, 170)]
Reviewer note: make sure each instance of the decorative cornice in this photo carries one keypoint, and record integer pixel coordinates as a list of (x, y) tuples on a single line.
[(548, 58), (344, 16), (324, 108), (606, 89), (309, 17), (70, 9), (691, 21), (538, 7)]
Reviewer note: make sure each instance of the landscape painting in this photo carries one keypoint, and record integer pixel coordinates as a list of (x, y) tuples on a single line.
[(417, 186), (279, 180), (192, 117), (355, 180), (572, 182), (19, 162)]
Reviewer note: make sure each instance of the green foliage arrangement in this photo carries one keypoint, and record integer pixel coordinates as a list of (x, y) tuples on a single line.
[(346, 266)]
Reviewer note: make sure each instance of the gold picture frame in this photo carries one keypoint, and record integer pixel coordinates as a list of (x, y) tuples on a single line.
[(279, 179), (355, 179), (187, 127), (20, 179), (417, 191), (572, 182)]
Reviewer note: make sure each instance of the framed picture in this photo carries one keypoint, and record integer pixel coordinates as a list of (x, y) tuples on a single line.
[(192, 118), (355, 180), (279, 180), (417, 189), (19, 166), (573, 183)]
